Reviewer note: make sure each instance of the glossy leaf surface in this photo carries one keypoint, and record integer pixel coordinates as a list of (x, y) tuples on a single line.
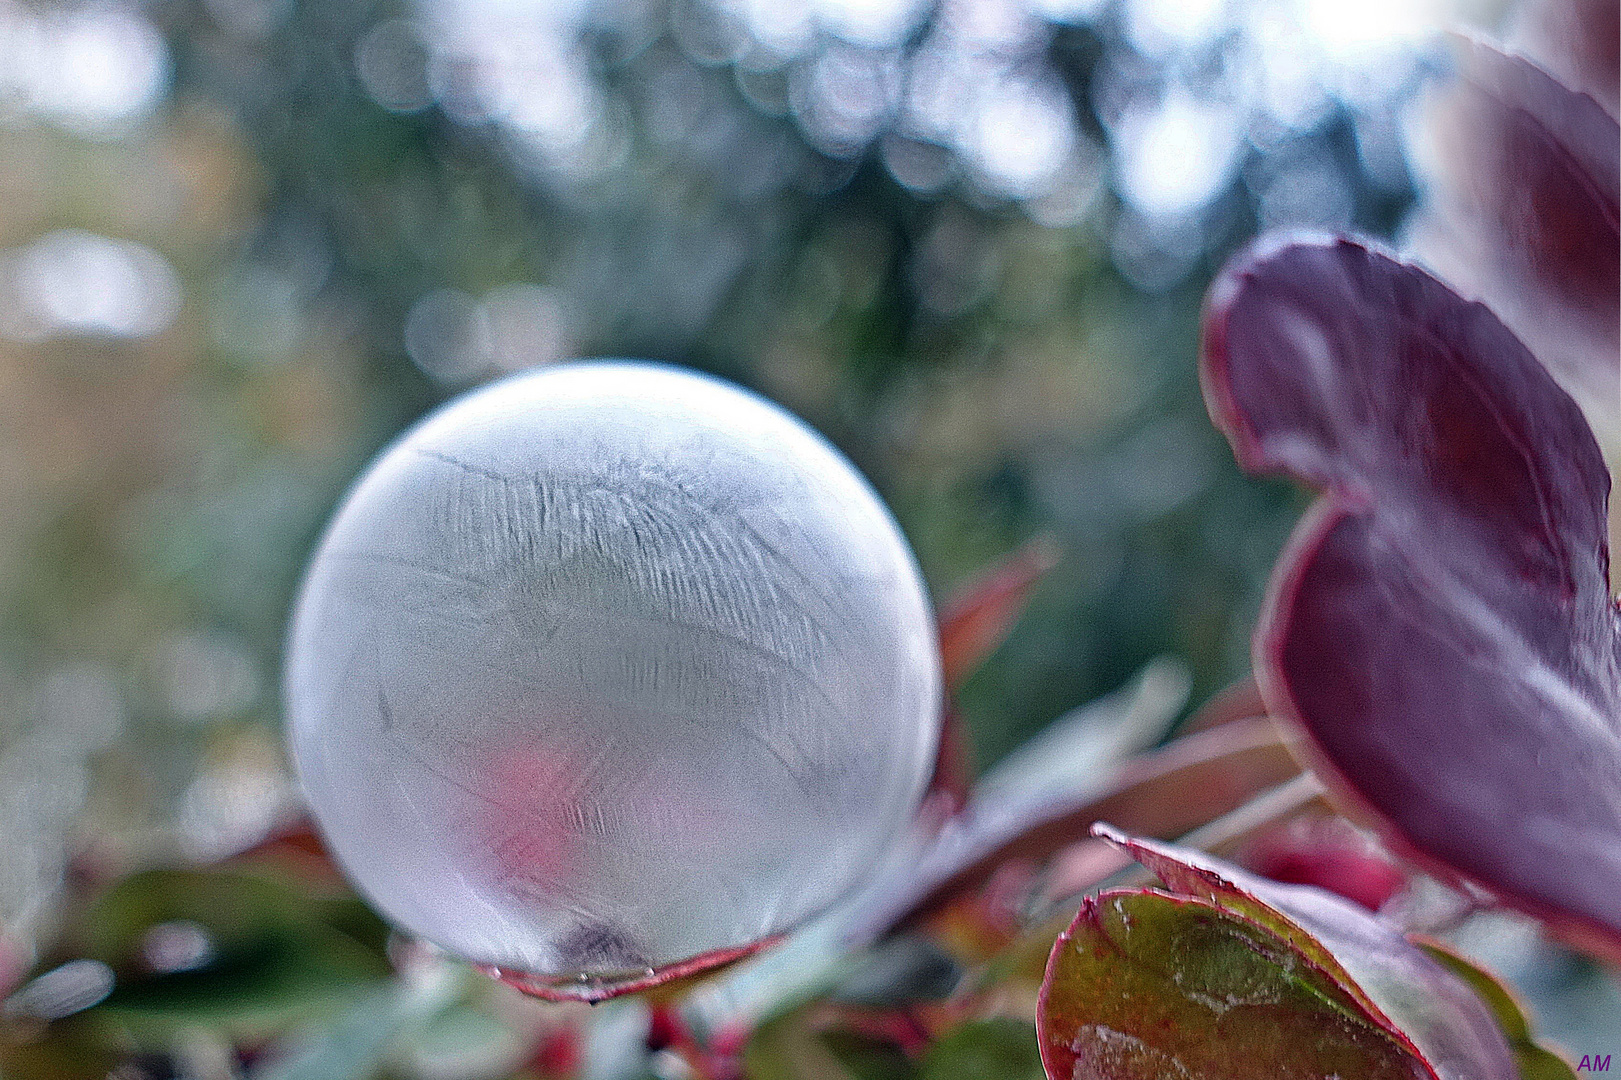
[(1144, 985), (1440, 626), (1393, 982), (1202, 981)]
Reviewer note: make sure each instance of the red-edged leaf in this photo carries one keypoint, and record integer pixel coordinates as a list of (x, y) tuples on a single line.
[(1393, 981), (1330, 853), (1440, 626), (1528, 217), (974, 624), (1147, 986)]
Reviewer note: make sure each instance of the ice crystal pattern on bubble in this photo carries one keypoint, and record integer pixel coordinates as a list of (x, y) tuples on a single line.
[(609, 666)]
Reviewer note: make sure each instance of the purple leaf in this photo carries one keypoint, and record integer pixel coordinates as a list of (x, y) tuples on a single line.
[(1396, 983), (1527, 217), (1577, 40), (1440, 626)]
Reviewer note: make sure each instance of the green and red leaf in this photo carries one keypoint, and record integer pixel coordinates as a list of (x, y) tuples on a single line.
[(1231, 975), (1145, 985)]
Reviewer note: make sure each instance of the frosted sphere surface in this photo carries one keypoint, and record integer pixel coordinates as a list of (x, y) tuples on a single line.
[(608, 666)]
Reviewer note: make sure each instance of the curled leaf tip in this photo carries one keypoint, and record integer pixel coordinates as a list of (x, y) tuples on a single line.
[(1104, 831)]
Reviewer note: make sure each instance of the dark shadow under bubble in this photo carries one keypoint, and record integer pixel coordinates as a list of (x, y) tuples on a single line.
[(600, 947)]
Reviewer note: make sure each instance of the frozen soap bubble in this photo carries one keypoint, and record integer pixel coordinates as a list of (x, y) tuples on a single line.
[(607, 667)]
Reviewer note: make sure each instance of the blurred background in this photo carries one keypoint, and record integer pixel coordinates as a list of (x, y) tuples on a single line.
[(243, 243)]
